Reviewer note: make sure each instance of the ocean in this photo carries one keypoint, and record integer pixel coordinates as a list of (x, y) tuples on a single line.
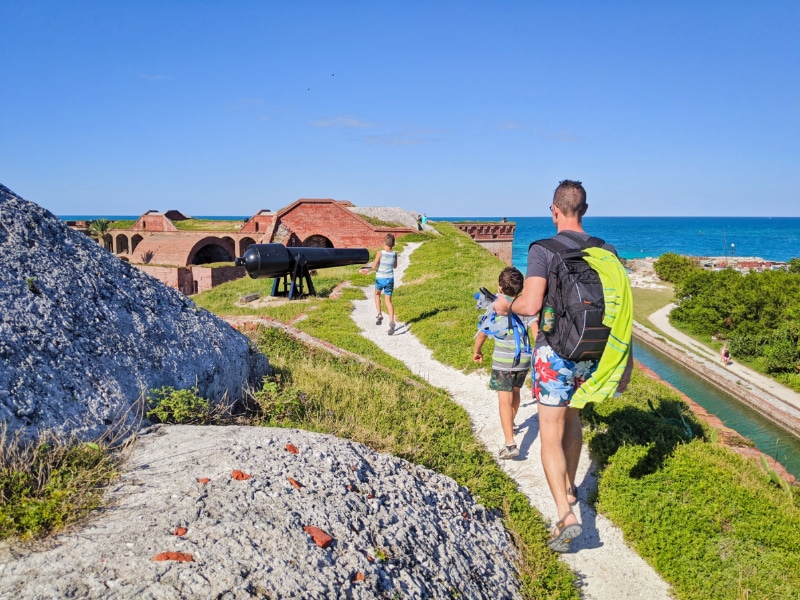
[(776, 239)]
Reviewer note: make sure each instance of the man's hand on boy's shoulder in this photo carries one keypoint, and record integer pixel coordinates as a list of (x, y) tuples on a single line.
[(501, 305)]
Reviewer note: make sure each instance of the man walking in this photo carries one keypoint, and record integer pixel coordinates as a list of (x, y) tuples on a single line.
[(556, 379)]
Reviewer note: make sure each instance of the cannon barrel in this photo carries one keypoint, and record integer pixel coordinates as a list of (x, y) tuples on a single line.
[(276, 260)]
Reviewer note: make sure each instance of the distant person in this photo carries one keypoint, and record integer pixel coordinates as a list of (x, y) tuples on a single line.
[(511, 359), (384, 266), (424, 218), (419, 222), (562, 386), (725, 355)]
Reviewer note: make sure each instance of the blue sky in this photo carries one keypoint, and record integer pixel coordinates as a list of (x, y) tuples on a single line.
[(448, 108)]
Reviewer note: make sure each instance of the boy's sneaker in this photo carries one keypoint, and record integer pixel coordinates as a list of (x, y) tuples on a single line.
[(509, 451), (391, 327), (378, 319)]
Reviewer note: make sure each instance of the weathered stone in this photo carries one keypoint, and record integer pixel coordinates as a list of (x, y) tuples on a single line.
[(84, 337)]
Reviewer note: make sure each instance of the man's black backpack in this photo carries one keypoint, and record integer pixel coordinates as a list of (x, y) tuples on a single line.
[(575, 293)]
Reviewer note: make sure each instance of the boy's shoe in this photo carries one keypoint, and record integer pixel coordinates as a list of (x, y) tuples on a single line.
[(391, 327), (516, 429), (378, 319), (509, 451)]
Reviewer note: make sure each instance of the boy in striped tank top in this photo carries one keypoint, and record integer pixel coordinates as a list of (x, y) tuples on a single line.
[(384, 266), (510, 362)]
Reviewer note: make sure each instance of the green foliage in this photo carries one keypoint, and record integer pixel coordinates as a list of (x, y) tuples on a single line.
[(648, 414), (281, 404), (707, 520), (208, 225), (794, 265), (673, 267), (758, 313), (168, 405), (99, 228), (48, 485), (123, 224), (390, 411), (376, 222), (32, 286)]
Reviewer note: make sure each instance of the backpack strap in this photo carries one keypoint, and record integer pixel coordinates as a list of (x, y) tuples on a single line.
[(556, 245)]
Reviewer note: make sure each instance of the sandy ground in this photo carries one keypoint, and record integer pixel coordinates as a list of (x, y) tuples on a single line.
[(606, 567)]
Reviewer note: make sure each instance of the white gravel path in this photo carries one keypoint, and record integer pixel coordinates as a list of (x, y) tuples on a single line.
[(606, 567)]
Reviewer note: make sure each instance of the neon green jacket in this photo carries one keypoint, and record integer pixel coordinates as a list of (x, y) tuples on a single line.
[(619, 317)]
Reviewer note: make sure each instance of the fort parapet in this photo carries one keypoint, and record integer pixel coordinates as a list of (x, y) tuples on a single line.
[(497, 238), (174, 247)]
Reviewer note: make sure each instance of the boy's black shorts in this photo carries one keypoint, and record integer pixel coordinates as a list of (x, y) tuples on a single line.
[(506, 381)]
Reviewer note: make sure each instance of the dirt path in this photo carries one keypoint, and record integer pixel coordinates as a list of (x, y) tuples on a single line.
[(606, 567)]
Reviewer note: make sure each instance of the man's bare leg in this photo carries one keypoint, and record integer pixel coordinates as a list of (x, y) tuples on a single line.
[(572, 444), (552, 428)]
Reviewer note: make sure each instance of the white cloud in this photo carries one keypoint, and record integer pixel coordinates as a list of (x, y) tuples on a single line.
[(412, 137), (343, 122)]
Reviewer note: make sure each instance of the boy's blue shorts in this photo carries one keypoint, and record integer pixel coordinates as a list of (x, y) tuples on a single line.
[(385, 285)]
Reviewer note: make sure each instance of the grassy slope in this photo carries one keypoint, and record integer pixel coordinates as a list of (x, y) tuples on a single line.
[(710, 522)]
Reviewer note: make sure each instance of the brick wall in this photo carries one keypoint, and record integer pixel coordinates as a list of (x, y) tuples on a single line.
[(179, 278), (205, 278)]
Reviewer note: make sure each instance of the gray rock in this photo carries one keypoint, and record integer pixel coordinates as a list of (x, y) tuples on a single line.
[(399, 530), (85, 336)]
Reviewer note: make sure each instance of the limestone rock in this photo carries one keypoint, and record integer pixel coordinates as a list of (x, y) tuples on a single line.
[(84, 336)]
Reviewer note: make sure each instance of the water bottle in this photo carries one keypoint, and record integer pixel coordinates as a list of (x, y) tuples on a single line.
[(548, 319)]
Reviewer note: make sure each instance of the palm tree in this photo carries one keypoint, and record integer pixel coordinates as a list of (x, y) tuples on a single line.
[(98, 230)]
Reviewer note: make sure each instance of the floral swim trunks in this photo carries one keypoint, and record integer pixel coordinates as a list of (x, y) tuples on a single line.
[(556, 379)]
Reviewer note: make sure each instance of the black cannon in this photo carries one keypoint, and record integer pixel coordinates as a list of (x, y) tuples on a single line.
[(282, 263)]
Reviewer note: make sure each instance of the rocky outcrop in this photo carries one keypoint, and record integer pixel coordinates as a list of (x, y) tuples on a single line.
[(84, 336)]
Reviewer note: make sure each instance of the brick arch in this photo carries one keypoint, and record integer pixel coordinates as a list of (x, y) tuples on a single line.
[(211, 249), (135, 240), (317, 241), (122, 245), (243, 244)]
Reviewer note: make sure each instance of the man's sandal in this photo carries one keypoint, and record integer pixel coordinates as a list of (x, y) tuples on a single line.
[(563, 535), (378, 319)]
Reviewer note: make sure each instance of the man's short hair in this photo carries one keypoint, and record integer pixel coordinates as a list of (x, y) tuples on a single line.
[(570, 198), (511, 281), (389, 240)]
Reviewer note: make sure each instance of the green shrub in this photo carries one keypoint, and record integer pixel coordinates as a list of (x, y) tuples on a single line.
[(49, 484), (281, 404), (168, 405), (673, 267)]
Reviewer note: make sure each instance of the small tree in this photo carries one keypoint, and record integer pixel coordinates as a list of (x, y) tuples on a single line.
[(673, 267), (794, 265), (98, 230)]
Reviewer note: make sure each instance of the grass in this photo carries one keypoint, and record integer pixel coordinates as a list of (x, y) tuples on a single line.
[(647, 301), (392, 412), (208, 225), (635, 448), (50, 484), (709, 521)]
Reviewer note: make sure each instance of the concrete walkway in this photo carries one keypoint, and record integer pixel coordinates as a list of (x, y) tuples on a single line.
[(737, 376), (606, 567)]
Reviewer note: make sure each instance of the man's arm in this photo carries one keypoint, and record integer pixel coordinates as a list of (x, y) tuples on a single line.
[(529, 302)]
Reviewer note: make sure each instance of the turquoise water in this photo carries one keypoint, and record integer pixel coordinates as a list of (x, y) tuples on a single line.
[(767, 436), (775, 239), (637, 237)]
